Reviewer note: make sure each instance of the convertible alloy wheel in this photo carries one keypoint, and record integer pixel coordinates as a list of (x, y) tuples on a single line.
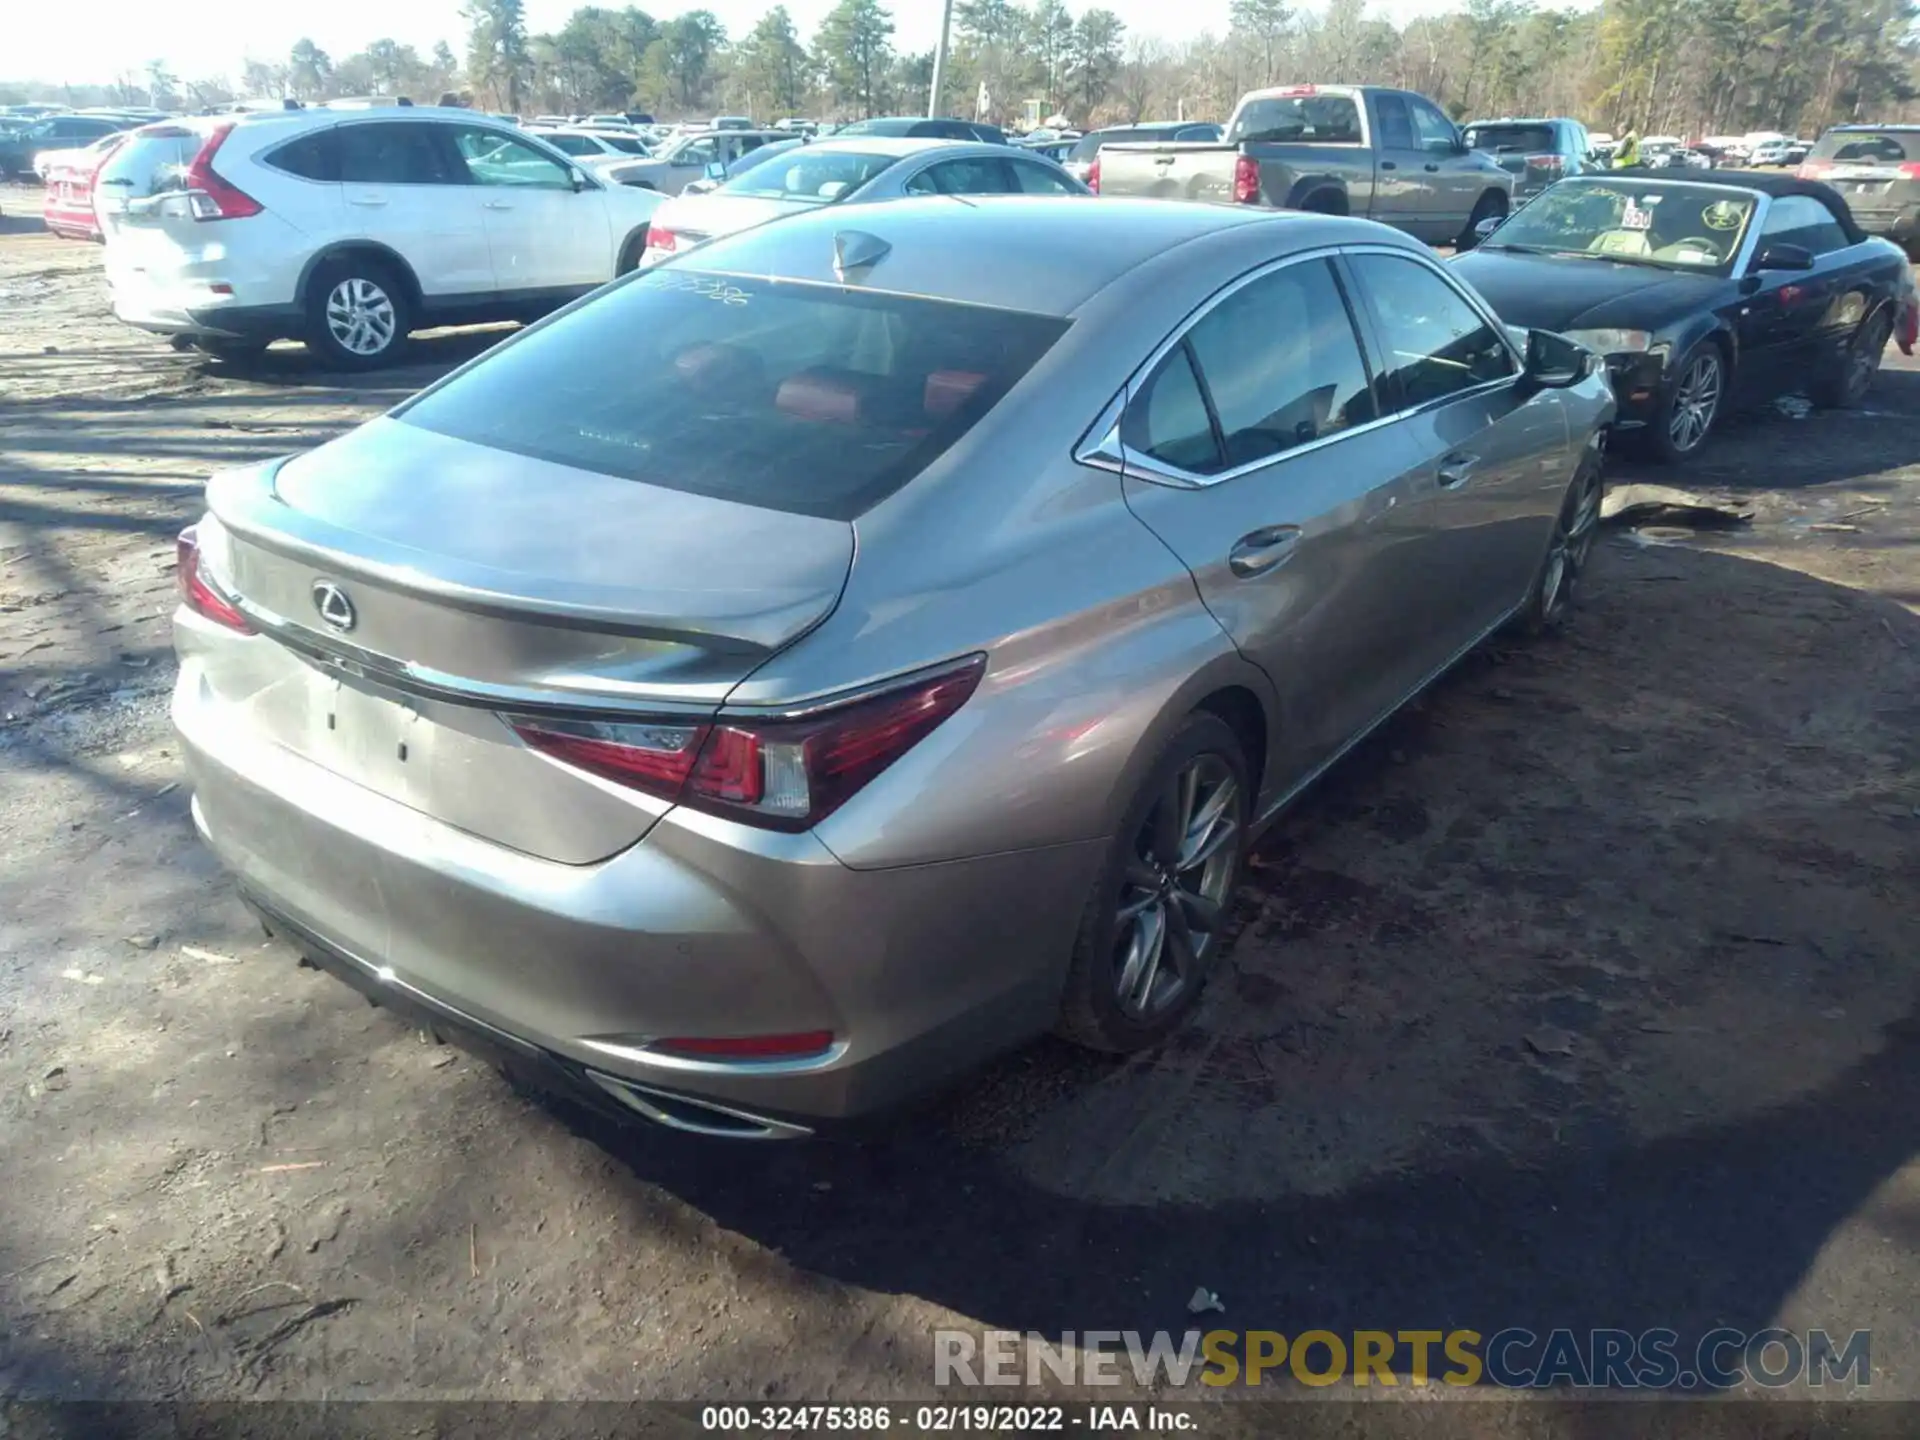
[(1862, 361), (1696, 401), (1175, 887), (360, 316)]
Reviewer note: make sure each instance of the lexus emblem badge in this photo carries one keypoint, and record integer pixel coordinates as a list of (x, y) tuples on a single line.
[(334, 606)]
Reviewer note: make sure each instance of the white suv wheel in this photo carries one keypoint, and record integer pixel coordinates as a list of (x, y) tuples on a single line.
[(360, 316)]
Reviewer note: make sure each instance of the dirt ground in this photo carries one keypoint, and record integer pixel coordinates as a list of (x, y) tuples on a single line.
[(1582, 997)]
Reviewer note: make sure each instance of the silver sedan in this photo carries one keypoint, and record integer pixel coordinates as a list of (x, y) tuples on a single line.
[(854, 171), (890, 659)]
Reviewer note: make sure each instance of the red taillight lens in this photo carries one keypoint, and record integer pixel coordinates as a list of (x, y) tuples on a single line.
[(209, 196), (1093, 175), (786, 774), (749, 1047), (1911, 170), (658, 239), (1546, 162), (197, 593), (1246, 180), (1814, 169), (656, 758)]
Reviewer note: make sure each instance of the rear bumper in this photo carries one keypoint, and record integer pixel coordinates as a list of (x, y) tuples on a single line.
[(1901, 223), (703, 929), (163, 314)]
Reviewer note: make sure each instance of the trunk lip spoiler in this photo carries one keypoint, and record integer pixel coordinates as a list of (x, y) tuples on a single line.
[(340, 658), (238, 500)]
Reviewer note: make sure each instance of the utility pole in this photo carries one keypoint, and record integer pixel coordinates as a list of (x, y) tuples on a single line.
[(940, 60)]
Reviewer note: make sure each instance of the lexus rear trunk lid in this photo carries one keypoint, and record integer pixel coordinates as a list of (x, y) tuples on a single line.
[(418, 588)]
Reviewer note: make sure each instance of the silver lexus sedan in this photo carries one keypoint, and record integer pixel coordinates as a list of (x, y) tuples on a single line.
[(776, 682)]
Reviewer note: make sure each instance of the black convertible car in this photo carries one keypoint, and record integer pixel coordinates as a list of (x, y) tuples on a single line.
[(1702, 288)]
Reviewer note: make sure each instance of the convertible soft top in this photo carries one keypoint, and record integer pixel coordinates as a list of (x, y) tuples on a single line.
[(1767, 182)]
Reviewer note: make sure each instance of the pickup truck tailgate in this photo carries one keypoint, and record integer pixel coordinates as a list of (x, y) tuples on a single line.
[(1170, 170)]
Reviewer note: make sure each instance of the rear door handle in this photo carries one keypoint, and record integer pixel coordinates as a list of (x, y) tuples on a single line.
[(1163, 160), (1388, 165), (367, 200), (1259, 551), (1432, 169), (1457, 470)]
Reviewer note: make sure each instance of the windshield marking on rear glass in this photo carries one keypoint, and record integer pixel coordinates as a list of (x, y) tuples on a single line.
[(695, 284)]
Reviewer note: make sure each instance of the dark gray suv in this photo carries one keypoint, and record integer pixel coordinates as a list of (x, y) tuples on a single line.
[(1538, 152), (1876, 169)]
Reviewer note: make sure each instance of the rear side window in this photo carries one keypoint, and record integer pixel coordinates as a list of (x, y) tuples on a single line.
[(1198, 133), (1298, 119), (311, 157), (1512, 139), (1040, 180), (1886, 148), (1278, 365), (1396, 126), (393, 153), (804, 398)]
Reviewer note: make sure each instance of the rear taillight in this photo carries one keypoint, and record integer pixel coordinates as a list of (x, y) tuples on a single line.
[(198, 593), (1246, 180), (1814, 169), (1546, 162), (1093, 175), (209, 195), (661, 244), (1910, 171), (784, 774)]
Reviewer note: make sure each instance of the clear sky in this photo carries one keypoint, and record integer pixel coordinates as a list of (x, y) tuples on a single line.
[(92, 43)]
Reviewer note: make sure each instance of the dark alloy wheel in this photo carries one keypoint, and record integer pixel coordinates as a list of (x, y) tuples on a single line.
[(1555, 588), (1847, 383), (1153, 926), (1692, 405)]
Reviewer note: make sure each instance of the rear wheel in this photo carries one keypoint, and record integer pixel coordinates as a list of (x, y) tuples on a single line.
[(1151, 929), (1489, 207), (357, 314), (1850, 376)]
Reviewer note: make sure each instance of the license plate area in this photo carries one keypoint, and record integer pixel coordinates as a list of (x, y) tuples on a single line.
[(368, 735)]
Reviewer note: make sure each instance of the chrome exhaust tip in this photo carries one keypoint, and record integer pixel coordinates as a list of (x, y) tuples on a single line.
[(696, 1117)]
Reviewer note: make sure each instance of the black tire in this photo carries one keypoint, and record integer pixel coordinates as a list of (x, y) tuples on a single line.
[(1127, 990), (1672, 439), (1556, 585), (1846, 382), (232, 352), (630, 255), (1489, 206), (343, 291)]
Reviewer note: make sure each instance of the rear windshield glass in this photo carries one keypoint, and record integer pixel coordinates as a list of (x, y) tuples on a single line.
[(811, 175), (1515, 139), (1302, 119), (152, 161), (1881, 147), (797, 397)]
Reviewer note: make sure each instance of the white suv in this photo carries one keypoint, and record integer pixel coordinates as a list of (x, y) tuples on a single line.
[(350, 229)]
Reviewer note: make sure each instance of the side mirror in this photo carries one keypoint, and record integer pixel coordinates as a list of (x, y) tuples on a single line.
[(1555, 362), (716, 170), (578, 178), (1783, 257)]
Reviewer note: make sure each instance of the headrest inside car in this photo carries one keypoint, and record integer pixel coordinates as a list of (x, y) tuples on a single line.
[(710, 367), (821, 396), (948, 390)]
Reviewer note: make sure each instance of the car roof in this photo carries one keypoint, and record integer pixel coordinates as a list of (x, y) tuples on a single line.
[(898, 145), (1070, 248), (1862, 125)]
